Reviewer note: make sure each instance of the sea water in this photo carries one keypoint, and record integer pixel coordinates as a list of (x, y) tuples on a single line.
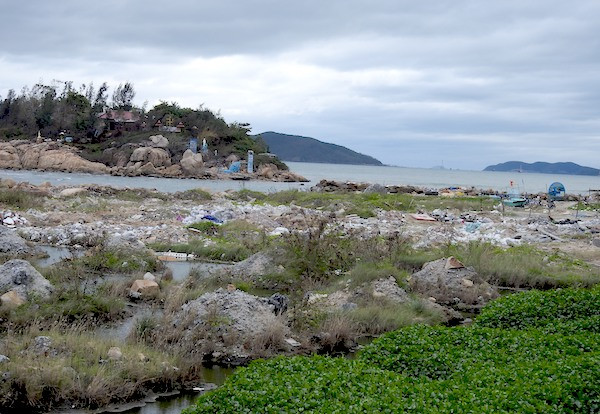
[(422, 177)]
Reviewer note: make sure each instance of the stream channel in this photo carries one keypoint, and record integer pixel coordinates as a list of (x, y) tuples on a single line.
[(166, 404)]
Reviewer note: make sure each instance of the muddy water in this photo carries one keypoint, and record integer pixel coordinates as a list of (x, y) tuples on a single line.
[(181, 270), (174, 404), (56, 254)]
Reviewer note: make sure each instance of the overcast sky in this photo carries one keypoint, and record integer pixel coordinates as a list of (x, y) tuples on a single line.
[(412, 83)]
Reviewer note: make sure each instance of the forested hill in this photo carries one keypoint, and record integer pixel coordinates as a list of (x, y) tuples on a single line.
[(544, 167), (305, 149)]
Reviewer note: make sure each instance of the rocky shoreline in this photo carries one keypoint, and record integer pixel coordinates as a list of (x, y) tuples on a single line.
[(150, 158), (309, 272)]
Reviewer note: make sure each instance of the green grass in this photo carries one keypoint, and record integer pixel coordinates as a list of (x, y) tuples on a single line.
[(365, 205), (233, 241), (525, 266), (19, 199), (76, 372)]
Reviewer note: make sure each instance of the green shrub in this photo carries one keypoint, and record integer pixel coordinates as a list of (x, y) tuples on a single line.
[(442, 353), (330, 385), (564, 310)]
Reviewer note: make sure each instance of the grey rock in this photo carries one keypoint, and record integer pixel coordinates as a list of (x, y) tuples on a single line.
[(449, 282), (12, 243), (22, 277), (375, 188), (349, 306), (258, 264), (4, 358), (389, 290), (42, 345), (596, 242)]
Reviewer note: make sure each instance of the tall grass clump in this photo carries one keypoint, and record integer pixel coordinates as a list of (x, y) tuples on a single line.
[(75, 370), (19, 199), (525, 266)]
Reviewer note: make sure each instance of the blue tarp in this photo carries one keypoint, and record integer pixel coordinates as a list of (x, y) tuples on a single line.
[(234, 167)]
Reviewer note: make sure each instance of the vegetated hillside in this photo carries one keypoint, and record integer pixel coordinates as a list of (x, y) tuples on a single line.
[(305, 149), (544, 167)]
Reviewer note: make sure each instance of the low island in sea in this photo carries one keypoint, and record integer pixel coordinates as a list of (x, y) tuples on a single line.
[(544, 168)]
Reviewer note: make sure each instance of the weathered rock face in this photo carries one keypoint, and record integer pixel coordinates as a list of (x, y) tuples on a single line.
[(191, 164), (13, 244), (21, 277), (449, 282), (49, 156), (157, 156)]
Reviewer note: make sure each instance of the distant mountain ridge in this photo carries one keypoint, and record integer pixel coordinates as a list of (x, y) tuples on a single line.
[(296, 148), (544, 168)]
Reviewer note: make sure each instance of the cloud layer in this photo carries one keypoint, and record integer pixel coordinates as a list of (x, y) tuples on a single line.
[(411, 83)]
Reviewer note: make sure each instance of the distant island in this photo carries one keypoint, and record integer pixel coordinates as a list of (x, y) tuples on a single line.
[(305, 149), (544, 168)]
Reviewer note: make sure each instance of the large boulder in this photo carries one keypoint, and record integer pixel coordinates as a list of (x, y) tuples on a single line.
[(144, 289), (157, 156), (450, 282), (191, 164), (158, 141), (231, 320), (13, 244), (20, 276)]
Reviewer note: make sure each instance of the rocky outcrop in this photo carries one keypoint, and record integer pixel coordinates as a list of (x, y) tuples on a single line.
[(50, 156), (450, 282), (20, 276), (271, 172), (13, 244), (158, 157), (191, 164)]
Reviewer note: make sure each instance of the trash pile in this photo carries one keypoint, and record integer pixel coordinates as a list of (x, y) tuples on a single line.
[(12, 220)]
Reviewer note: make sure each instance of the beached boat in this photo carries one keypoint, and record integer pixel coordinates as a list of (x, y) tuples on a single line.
[(515, 202)]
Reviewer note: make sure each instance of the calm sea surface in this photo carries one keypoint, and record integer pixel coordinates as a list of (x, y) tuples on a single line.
[(430, 178)]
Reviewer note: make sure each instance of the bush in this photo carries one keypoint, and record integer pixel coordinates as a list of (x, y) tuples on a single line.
[(565, 310)]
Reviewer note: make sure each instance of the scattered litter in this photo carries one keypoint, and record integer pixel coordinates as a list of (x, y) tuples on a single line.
[(422, 217), (212, 218), (472, 227), (292, 342), (12, 220)]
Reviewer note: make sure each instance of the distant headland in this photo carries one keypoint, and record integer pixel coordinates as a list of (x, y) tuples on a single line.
[(544, 168), (305, 149)]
